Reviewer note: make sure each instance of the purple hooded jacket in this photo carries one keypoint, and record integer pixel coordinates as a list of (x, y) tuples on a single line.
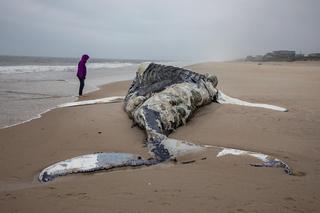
[(82, 70)]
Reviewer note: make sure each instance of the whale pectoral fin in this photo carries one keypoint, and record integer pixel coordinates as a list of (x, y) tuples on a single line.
[(224, 99), (105, 100)]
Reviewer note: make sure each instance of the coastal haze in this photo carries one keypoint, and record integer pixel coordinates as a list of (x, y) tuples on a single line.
[(163, 30), (277, 42)]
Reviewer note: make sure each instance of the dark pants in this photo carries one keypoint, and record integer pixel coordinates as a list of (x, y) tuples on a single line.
[(81, 86)]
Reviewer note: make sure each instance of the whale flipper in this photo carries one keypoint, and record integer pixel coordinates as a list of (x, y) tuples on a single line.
[(105, 100), (224, 99)]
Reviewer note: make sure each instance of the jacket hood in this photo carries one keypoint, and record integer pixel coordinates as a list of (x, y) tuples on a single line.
[(85, 58)]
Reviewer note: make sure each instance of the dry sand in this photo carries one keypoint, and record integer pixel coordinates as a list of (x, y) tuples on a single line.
[(212, 185)]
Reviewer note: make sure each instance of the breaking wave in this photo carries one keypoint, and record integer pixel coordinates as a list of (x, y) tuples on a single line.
[(57, 68)]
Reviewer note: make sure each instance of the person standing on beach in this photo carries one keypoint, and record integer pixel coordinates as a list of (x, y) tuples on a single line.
[(82, 72)]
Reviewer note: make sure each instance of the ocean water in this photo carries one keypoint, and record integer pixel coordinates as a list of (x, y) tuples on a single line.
[(30, 86)]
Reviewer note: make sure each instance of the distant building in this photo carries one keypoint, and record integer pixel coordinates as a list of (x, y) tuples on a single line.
[(300, 57), (284, 55), (314, 56), (280, 55)]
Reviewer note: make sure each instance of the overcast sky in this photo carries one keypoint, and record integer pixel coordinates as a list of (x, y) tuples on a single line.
[(158, 29)]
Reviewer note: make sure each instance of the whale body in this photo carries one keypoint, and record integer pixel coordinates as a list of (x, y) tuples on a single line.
[(160, 99)]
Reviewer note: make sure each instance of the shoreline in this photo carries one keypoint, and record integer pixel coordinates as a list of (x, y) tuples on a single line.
[(25, 96), (200, 186), (76, 98)]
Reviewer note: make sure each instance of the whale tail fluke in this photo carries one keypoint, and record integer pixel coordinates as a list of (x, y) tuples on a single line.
[(267, 160), (176, 148), (91, 163)]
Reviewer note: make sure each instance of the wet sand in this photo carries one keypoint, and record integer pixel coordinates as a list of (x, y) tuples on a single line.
[(225, 184)]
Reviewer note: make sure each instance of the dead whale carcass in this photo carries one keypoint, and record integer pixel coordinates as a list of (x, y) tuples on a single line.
[(160, 99)]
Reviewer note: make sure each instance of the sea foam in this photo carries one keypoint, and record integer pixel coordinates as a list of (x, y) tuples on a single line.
[(57, 68)]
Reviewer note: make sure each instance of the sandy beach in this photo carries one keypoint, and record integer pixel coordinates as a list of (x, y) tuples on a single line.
[(225, 184)]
